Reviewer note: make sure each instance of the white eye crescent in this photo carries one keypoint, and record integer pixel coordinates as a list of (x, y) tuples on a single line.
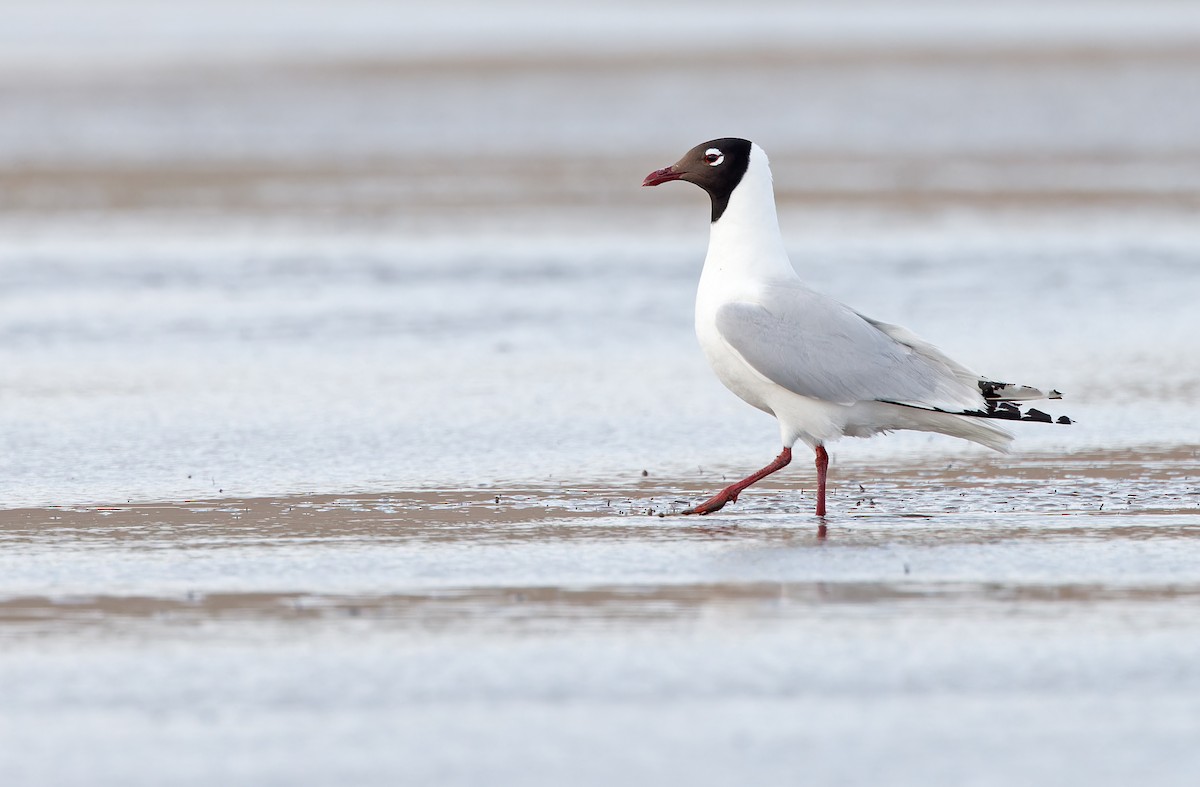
[(713, 157)]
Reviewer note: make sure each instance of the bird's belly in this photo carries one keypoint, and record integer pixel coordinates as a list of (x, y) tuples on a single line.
[(733, 372)]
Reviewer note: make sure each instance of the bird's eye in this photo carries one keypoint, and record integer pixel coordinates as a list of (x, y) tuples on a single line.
[(713, 157)]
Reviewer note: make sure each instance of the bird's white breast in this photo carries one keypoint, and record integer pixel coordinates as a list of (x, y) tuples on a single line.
[(733, 372)]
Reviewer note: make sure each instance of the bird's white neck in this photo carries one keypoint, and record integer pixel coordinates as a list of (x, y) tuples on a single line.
[(745, 241)]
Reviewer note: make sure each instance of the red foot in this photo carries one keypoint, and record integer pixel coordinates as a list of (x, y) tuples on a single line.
[(714, 503), (730, 493)]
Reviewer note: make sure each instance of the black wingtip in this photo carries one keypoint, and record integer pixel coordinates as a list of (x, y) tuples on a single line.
[(1010, 412), (1006, 411)]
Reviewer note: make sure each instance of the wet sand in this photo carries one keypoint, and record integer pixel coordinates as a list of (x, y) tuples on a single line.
[(1037, 508)]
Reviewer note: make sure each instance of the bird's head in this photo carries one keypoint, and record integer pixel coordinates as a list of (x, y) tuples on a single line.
[(717, 166)]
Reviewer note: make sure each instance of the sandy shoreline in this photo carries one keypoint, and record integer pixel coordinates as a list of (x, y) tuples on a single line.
[(508, 609), (1165, 481)]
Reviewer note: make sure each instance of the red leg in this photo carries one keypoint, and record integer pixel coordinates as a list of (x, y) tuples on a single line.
[(822, 470), (730, 493)]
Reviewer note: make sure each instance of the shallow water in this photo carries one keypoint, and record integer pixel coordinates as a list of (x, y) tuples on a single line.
[(946, 615), (345, 372)]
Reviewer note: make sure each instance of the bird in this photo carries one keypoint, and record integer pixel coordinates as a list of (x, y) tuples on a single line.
[(824, 370)]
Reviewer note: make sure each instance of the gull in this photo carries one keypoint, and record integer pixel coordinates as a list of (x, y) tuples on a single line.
[(822, 369)]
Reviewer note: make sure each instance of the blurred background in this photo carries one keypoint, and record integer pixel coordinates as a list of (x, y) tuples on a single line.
[(261, 247)]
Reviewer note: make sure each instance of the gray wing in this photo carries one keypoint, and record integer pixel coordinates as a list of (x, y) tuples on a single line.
[(816, 347)]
